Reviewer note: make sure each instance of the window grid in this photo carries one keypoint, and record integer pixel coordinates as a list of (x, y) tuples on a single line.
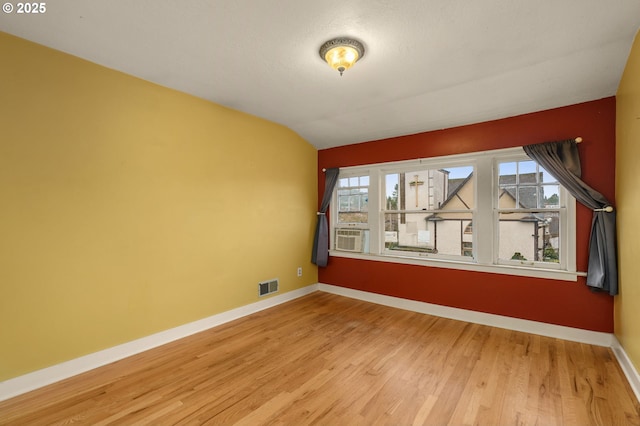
[(529, 224), (538, 202)]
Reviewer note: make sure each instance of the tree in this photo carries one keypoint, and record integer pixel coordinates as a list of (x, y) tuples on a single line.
[(554, 200), (550, 255), (518, 256), (392, 200)]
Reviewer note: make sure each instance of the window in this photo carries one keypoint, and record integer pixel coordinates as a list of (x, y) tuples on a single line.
[(427, 210), (497, 211), (352, 193), (353, 200), (467, 248), (529, 212)]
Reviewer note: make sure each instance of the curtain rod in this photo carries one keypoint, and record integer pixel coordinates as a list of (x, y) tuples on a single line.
[(578, 140)]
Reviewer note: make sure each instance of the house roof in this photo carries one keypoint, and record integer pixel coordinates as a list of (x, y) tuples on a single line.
[(528, 194), (454, 185)]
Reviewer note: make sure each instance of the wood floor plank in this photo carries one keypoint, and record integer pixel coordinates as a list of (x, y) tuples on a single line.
[(326, 359)]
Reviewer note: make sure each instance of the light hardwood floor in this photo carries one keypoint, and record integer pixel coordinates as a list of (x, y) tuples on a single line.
[(325, 359)]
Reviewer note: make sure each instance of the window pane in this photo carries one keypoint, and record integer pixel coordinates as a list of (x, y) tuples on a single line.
[(430, 189), (528, 197), (507, 168), (530, 237), (460, 189), (546, 177), (353, 217), (467, 249), (417, 193), (458, 172), (428, 233), (353, 200), (507, 198), (527, 168), (391, 187), (551, 196), (521, 186)]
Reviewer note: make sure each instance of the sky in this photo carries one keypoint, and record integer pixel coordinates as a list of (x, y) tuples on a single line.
[(508, 168)]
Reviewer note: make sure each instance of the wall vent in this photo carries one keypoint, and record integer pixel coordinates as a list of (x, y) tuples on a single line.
[(267, 287)]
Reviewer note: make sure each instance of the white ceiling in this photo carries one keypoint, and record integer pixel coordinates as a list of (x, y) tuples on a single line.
[(429, 64)]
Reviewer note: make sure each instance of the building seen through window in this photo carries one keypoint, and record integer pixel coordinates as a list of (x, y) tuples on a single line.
[(495, 208)]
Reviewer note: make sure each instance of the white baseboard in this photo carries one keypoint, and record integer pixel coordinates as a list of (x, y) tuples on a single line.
[(37, 379), (46, 376), (627, 367), (527, 326)]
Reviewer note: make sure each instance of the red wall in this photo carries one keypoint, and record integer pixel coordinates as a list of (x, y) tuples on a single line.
[(557, 302)]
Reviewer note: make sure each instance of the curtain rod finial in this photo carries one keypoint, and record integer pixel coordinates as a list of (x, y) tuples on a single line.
[(324, 170), (578, 139)]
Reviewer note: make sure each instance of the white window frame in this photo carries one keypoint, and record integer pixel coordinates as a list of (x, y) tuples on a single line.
[(335, 201), (484, 216), (432, 164), (567, 203)]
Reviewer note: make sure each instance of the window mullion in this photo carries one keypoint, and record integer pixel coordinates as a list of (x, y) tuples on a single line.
[(376, 218), (569, 232), (484, 223)]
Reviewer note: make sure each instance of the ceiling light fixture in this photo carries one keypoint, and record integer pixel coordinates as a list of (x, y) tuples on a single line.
[(341, 53)]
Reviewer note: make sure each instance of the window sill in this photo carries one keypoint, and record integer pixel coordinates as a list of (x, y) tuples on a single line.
[(521, 271)]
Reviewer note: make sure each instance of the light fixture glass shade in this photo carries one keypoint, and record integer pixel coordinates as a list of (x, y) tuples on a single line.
[(341, 53)]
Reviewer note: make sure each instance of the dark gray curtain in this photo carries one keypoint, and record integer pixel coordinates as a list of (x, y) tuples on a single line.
[(320, 254), (562, 160)]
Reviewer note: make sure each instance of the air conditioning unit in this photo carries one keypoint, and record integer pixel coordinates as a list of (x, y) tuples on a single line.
[(349, 240)]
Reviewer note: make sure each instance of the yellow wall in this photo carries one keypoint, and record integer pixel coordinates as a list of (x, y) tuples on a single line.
[(127, 208), (627, 304)]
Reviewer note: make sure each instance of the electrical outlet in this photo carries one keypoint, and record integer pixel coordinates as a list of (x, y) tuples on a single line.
[(299, 271)]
